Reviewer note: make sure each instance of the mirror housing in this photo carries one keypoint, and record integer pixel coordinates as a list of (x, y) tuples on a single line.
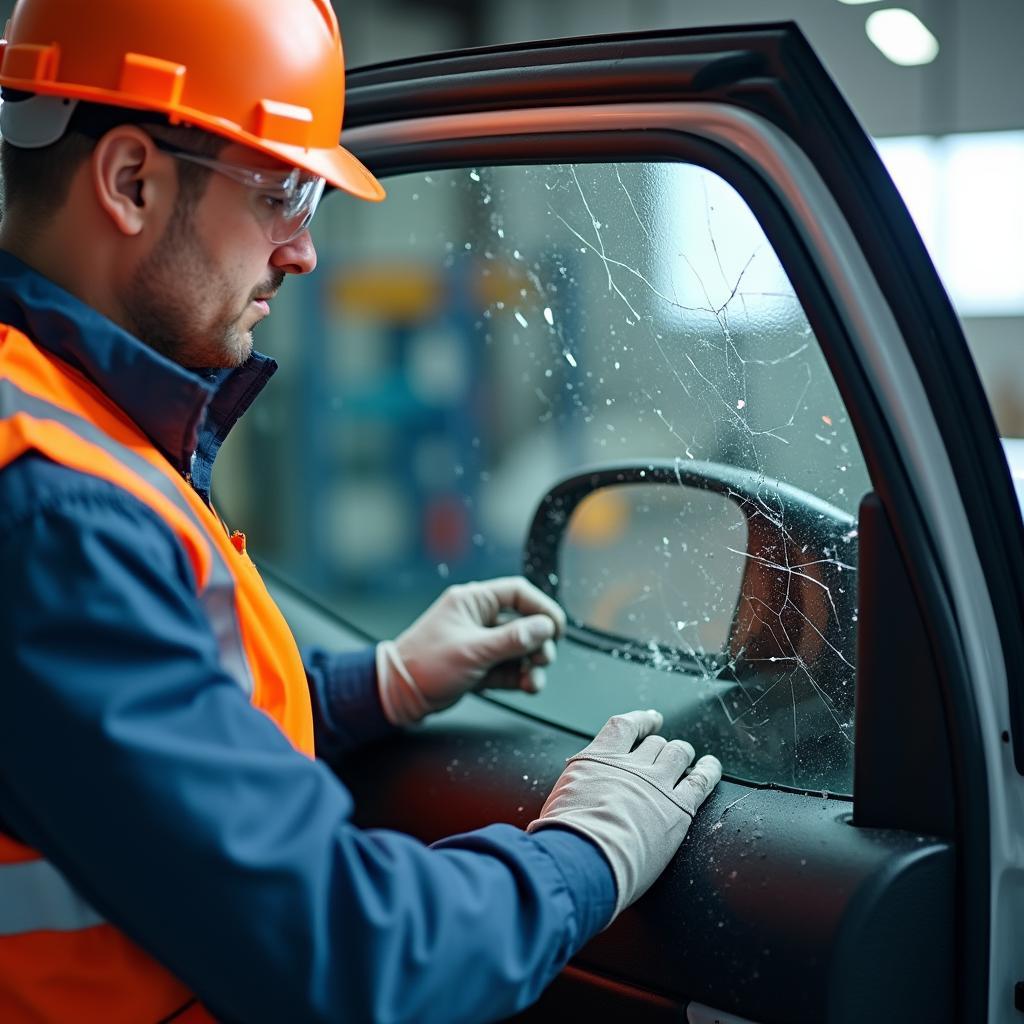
[(798, 595)]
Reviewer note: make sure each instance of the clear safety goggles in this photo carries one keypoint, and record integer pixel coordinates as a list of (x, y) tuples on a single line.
[(284, 201)]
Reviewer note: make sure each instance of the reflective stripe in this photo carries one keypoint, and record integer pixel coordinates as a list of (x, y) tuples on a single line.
[(36, 897), (218, 597)]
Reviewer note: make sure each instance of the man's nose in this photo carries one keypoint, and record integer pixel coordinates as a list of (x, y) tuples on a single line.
[(297, 256)]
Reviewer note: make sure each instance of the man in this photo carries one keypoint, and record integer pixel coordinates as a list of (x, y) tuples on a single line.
[(170, 847)]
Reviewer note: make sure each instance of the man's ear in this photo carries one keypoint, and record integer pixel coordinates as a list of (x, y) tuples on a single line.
[(131, 182)]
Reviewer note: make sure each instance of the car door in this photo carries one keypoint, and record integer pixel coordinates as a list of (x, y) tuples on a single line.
[(676, 260)]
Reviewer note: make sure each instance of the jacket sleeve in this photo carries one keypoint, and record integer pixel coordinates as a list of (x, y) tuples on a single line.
[(187, 819), (347, 711)]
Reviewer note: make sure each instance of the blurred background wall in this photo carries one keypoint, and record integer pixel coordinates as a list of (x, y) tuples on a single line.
[(967, 195)]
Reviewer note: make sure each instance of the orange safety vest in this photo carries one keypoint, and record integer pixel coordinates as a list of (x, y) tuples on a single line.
[(59, 960)]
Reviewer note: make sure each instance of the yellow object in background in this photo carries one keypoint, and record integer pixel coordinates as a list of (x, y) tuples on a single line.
[(601, 519), (389, 293)]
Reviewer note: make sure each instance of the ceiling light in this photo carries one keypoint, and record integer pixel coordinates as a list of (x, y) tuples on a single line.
[(854, 2), (902, 37)]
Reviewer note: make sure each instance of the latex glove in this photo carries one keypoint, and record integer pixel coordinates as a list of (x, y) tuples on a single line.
[(632, 803), (462, 642)]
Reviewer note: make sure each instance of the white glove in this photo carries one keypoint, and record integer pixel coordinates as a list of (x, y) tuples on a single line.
[(461, 643), (631, 802)]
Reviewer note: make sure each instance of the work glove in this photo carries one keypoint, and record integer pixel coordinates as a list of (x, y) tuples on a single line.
[(632, 803), (466, 641)]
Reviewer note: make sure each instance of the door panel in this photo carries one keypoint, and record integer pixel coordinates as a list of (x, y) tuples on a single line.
[(777, 908)]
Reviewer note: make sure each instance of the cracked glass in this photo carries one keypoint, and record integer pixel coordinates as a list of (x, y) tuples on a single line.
[(489, 332)]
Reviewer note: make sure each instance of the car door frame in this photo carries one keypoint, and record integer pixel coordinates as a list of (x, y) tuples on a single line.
[(894, 345)]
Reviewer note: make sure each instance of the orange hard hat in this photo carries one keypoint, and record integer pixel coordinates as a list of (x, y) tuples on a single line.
[(269, 74)]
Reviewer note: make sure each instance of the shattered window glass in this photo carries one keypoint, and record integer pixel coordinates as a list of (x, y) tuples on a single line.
[(490, 332)]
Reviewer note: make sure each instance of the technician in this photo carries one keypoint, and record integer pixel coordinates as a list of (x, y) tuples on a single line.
[(171, 849)]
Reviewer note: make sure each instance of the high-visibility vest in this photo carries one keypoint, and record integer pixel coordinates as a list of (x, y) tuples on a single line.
[(59, 960)]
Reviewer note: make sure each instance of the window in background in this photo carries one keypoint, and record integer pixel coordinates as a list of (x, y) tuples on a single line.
[(487, 332), (964, 192)]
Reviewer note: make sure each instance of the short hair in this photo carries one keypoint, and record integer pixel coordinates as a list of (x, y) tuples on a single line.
[(38, 181)]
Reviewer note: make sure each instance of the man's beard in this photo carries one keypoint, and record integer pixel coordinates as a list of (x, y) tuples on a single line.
[(157, 309)]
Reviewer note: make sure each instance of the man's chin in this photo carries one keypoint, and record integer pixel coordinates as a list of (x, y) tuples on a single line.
[(247, 350), (232, 352), (240, 351)]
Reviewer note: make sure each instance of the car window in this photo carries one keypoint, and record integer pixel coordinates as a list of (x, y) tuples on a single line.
[(490, 331)]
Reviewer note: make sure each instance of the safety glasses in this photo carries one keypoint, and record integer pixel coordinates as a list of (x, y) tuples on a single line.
[(284, 201)]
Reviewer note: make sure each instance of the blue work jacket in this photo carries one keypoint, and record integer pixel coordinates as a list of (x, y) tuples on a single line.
[(283, 910)]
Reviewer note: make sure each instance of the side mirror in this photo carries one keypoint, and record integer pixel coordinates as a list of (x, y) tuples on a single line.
[(704, 569)]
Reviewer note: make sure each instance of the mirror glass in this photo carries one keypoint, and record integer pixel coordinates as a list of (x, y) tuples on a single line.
[(657, 564)]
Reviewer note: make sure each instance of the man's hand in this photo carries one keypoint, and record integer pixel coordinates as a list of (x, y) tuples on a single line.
[(462, 643), (634, 804)]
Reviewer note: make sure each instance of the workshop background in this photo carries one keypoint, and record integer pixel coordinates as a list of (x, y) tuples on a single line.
[(955, 124), (389, 457)]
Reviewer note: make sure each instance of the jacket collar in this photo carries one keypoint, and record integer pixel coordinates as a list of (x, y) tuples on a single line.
[(185, 413)]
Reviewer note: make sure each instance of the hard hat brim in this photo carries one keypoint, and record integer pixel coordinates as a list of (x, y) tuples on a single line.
[(338, 166)]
